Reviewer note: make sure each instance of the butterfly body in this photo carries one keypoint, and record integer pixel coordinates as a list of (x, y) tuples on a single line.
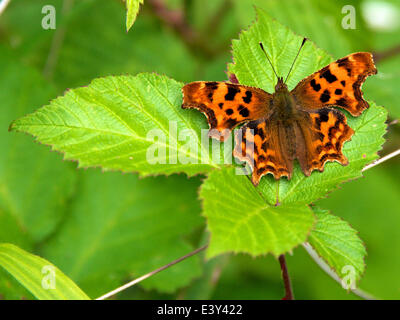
[(282, 103), (286, 125)]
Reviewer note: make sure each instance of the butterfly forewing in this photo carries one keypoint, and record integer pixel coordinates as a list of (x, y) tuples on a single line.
[(226, 105), (337, 84)]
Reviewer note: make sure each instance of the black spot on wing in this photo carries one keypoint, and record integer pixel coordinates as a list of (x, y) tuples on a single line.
[(232, 91), (230, 123), (341, 102), (265, 146), (228, 111), (338, 91), (324, 115), (316, 86), (328, 146), (342, 62), (332, 133), (325, 96), (328, 76), (212, 85), (261, 158), (343, 83), (220, 105), (243, 111), (260, 132), (247, 98)]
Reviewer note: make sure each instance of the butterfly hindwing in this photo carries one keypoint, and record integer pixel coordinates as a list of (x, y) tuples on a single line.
[(271, 145), (337, 84), (226, 105), (323, 134), (266, 146)]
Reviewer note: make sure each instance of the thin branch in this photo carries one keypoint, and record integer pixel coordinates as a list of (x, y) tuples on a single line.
[(173, 18), (3, 5), (388, 53), (286, 279), (148, 275), (383, 159), (324, 266)]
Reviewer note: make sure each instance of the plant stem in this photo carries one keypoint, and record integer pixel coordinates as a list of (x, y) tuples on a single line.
[(325, 267), (388, 53), (152, 273), (177, 21), (286, 279), (383, 159)]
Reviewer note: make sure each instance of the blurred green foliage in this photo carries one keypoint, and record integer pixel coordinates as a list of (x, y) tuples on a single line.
[(91, 224)]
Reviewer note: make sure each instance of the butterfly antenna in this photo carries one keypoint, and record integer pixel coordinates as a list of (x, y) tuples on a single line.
[(298, 52), (262, 48)]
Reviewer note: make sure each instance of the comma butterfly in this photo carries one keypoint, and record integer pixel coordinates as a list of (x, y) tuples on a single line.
[(287, 125)]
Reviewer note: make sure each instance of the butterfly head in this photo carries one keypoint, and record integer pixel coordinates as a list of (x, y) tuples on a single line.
[(281, 86)]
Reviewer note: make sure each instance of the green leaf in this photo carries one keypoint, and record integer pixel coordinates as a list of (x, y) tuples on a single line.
[(251, 68), (240, 220), (315, 20), (138, 224), (31, 270), (337, 243), (132, 9), (123, 123), (34, 184)]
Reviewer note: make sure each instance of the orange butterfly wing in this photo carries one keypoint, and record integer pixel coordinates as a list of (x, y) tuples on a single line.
[(313, 138), (226, 105), (337, 84), (323, 134), (267, 147)]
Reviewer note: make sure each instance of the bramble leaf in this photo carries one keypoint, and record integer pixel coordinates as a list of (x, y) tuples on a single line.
[(31, 271), (317, 19), (251, 68), (240, 220), (132, 9), (336, 242), (127, 123)]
